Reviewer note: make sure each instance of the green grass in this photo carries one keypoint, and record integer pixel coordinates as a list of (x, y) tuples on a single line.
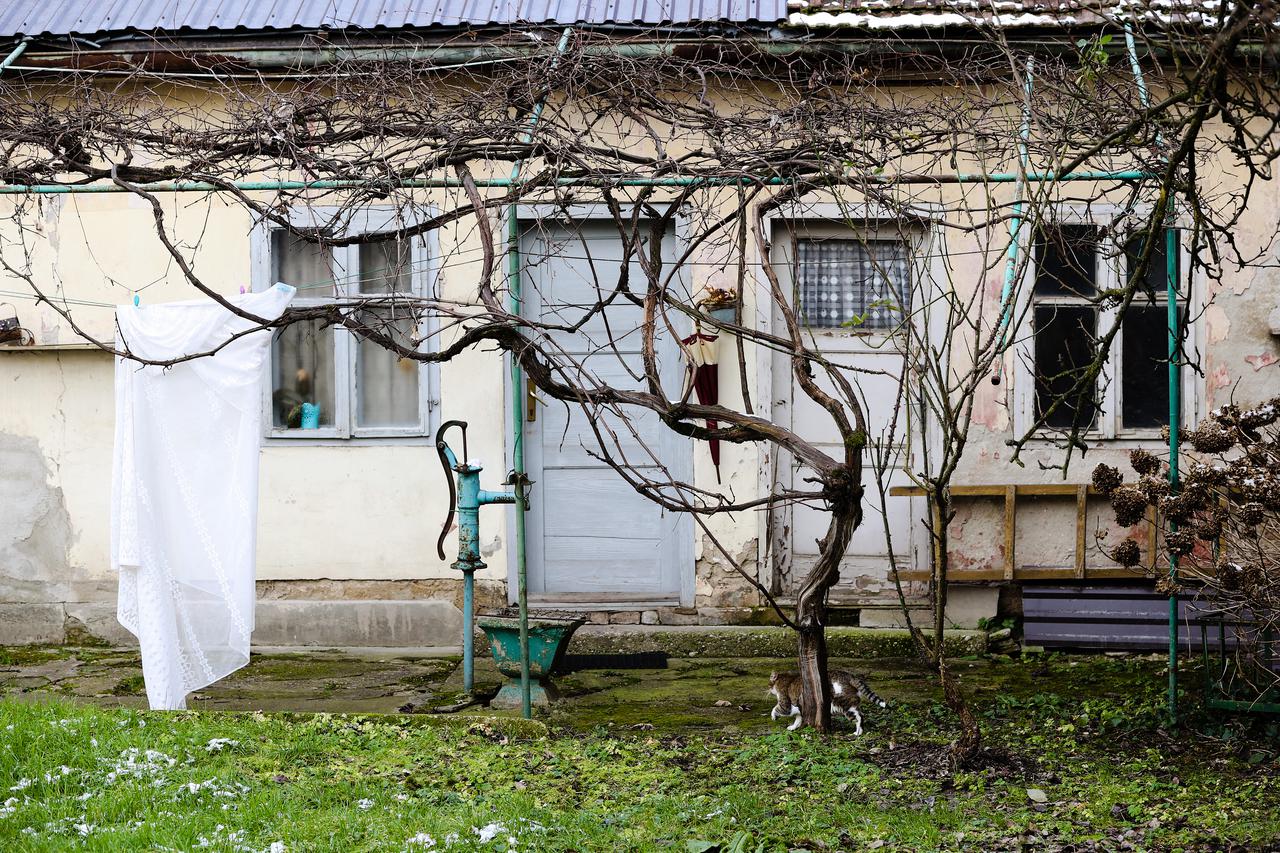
[(1089, 734)]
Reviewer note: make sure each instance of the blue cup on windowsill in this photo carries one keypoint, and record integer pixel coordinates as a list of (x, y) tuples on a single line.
[(310, 416)]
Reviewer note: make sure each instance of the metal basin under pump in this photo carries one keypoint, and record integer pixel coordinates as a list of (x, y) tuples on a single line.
[(548, 639)]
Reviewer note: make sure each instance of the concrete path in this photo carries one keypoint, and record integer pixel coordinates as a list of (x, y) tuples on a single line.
[(694, 690)]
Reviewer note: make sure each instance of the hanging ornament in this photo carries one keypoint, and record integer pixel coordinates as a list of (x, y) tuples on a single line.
[(700, 350)]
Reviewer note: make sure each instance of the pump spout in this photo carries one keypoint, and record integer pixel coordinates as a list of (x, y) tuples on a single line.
[(450, 463)]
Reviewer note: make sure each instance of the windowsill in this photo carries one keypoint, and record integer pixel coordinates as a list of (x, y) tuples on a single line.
[(362, 441)]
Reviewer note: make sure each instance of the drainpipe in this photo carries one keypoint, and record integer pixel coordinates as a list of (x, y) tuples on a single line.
[(15, 53), (518, 396), (1175, 380), (1015, 222)]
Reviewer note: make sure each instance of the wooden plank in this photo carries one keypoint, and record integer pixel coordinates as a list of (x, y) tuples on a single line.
[(998, 490), (1029, 573), (1153, 534), (1038, 489), (968, 576), (1010, 530), (1082, 511)]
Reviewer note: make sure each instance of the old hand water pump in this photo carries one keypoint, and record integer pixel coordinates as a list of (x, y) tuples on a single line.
[(466, 497)]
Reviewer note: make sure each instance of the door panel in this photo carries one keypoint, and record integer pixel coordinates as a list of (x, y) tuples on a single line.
[(590, 535), (872, 362)]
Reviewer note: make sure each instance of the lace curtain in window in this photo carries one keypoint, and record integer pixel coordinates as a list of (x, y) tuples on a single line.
[(858, 284)]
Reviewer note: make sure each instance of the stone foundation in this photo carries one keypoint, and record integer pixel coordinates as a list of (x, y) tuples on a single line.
[(428, 612)]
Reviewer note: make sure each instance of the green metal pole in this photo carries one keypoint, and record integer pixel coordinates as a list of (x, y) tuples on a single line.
[(1175, 378), (1175, 426), (1015, 222), (517, 398), (507, 183), (15, 53)]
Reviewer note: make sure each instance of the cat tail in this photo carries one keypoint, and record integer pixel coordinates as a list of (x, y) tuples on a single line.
[(865, 692)]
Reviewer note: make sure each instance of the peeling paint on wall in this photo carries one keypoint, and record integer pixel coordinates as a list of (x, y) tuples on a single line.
[(1266, 359), (35, 529), (1219, 378), (1217, 323)]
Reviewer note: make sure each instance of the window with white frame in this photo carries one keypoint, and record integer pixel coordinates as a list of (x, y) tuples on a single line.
[(1076, 268), (329, 382), (854, 284)]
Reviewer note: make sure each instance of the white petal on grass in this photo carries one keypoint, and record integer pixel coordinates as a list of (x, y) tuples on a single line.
[(489, 832), (218, 744)]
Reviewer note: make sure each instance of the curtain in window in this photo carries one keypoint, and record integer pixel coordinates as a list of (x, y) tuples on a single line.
[(853, 283), (302, 354), (387, 384), (304, 373)]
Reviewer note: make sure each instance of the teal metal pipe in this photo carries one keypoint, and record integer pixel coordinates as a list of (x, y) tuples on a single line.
[(1015, 223), (20, 49), (508, 183), (17, 51), (1175, 426), (515, 300), (1175, 377)]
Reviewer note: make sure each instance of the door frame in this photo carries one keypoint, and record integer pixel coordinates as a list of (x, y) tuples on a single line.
[(682, 467), (773, 557)]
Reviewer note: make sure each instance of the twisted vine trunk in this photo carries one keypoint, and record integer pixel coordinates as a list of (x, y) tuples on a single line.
[(811, 605)]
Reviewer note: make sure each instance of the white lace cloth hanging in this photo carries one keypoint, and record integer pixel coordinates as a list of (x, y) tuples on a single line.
[(184, 489)]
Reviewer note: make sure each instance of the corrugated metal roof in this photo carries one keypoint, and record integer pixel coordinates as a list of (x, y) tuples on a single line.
[(92, 17)]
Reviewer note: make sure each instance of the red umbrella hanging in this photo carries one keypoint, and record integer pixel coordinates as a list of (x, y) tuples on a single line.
[(701, 351)]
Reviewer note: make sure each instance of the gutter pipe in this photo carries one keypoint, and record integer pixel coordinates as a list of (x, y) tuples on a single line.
[(20, 49), (1015, 223), (509, 183), (517, 393)]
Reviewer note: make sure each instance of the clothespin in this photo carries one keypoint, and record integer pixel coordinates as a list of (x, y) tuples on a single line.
[(242, 290), (137, 300)]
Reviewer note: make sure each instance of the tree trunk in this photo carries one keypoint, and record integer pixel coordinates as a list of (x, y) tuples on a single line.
[(815, 694), (939, 579), (967, 745), (970, 739), (811, 607)]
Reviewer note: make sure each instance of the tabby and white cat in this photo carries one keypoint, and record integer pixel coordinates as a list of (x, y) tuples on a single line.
[(847, 691)]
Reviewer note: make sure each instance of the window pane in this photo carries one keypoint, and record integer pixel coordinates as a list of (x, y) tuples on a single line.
[(387, 384), (302, 381), (1154, 281), (852, 283), (306, 266), (385, 267), (1145, 366), (1066, 260), (1065, 343)]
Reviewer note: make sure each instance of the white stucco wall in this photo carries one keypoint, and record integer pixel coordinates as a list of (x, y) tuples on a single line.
[(370, 510)]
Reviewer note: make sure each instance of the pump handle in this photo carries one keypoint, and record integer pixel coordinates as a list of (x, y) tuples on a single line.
[(442, 448)]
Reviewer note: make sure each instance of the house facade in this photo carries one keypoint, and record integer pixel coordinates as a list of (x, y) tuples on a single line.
[(352, 496)]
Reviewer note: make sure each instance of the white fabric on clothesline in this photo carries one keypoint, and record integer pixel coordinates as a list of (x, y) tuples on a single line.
[(184, 489)]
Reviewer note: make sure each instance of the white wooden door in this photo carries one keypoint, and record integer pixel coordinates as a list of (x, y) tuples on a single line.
[(590, 537), (851, 288)]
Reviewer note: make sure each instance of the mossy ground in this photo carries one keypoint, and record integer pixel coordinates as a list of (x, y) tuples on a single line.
[(631, 760)]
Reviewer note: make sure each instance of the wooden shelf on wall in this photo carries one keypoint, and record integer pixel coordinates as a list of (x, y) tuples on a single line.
[(1010, 570)]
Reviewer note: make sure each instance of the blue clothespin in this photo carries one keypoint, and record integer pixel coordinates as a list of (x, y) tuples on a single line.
[(137, 300)]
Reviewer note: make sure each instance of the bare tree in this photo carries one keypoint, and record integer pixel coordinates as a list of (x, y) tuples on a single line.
[(720, 143)]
